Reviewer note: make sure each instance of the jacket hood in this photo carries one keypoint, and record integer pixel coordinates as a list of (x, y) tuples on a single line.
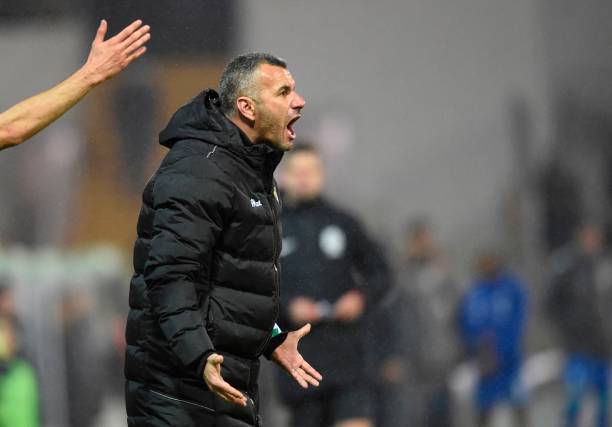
[(202, 119)]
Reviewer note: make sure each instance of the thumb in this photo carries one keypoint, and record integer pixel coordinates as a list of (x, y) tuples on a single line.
[(101, 31), (216, 359), (303, 331)]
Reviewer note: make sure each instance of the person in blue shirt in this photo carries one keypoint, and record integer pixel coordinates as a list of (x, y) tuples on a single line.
[(492, 319)]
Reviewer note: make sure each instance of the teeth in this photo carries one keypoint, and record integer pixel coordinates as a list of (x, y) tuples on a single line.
[(290, 126), (291, 131)]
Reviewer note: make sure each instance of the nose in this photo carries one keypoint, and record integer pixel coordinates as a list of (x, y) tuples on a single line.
[(298, 102)]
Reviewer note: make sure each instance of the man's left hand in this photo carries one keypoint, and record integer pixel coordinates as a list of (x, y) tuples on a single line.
[(288, 357)]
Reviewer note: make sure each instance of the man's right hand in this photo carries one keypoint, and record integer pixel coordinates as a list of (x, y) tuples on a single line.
[(216, 383)]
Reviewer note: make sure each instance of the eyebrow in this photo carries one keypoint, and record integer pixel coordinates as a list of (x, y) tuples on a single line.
[(283, 87)]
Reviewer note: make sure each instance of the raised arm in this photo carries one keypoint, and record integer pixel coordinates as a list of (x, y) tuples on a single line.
[(106, 59)]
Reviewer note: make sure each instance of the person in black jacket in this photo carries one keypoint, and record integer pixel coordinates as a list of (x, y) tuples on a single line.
[(204, 297), (578, 301), (331, 273)]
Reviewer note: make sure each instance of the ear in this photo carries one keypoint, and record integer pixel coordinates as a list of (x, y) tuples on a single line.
[(246, 107)]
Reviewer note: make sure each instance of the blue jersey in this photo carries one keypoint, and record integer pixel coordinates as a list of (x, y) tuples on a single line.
[(495, 311)]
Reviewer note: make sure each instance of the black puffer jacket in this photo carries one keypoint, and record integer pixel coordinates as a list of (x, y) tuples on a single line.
[(206, 272), (579, 300)]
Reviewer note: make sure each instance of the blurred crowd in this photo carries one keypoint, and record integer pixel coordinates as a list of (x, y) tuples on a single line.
[(393, 334)]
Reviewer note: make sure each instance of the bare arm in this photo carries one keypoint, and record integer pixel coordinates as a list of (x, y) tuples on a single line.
[(106, 59)]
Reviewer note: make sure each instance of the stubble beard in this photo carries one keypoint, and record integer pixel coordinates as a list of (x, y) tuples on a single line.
[(273, 132)]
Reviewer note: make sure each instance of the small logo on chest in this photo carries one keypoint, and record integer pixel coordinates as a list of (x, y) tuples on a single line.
[(256, 203)]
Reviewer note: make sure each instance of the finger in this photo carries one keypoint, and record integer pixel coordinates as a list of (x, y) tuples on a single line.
[(303, 331), (101, 31), (136, 36), (126, 32), (308, 378), (216, 359), (220, 385), (230, 397), (311, 371), (296, 376), (230, 392), (136, 54), (137, 44)]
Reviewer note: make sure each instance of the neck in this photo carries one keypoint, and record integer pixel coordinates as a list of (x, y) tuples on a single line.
[(244, 127)]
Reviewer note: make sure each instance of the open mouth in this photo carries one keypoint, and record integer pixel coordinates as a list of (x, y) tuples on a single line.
[(290, 130)]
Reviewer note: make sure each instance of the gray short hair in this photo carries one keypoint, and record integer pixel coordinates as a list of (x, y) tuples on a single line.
[(237, 77)]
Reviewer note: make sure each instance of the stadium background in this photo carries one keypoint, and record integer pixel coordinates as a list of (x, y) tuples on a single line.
[(453, 109)]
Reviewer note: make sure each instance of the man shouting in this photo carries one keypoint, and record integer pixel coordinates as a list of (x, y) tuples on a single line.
[(205, 294)]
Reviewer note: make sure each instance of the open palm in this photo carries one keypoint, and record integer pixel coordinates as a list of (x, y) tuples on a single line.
[(289, 358)]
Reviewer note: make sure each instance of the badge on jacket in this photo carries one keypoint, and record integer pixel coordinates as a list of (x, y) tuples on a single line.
[(332, 241)]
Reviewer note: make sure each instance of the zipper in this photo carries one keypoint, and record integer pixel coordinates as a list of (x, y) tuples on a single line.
[(275, 239), (188, 402), (253, 409)]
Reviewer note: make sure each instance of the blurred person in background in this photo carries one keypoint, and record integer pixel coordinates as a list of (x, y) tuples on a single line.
[(332, 272), (7, 299), (115, 293), (394, 395), (579, 302), (492, 318), (106, 59), (562, 203), (423, 310), (8, 308), (19, 395), (85, 353)]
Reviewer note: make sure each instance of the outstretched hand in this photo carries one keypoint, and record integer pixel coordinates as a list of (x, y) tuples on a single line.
[(288, 357), (216, 383), (109, 57)]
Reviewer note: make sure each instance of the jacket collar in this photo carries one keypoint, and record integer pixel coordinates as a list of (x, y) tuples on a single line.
[(202, 119)]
